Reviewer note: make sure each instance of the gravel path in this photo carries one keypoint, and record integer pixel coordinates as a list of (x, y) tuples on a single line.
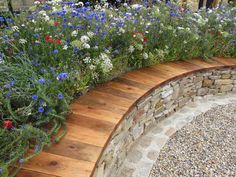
[(204, 147)]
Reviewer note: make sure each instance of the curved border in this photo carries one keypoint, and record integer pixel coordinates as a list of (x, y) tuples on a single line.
[(184, 71)]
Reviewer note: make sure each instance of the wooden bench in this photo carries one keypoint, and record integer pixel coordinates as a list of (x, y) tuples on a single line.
[(98, 114)]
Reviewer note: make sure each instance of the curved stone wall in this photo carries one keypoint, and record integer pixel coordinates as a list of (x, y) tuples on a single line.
[(157, 105)]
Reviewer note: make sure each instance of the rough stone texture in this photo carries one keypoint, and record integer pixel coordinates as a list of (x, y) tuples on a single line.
[(152, 142), (158, 105)]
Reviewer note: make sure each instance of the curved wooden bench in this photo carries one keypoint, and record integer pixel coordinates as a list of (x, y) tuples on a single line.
[(97, 116)]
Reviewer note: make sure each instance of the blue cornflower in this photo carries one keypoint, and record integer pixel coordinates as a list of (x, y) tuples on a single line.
[(62, 76), (173, 14), (11, 83), (76, 49), (41, 81), (9, 20), (60, 96), (41, 109), (8, 94), (79, 26), (34, 97), (36, 35), (16, 34), (55, 51), (64, 25), (20, 54), (104, 33), (2, 19)]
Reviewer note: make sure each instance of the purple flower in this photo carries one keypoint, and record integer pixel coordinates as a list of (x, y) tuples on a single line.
[(55, 51), (36, 35), (60, 96), (34, 97), (2, 19), (41, 109), (11, 84), (62, 76), (41, 81)]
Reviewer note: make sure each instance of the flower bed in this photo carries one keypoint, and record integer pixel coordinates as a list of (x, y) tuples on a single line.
[(60, 49)]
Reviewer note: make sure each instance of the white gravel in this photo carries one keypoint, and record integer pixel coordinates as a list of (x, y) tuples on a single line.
[(205, 147)]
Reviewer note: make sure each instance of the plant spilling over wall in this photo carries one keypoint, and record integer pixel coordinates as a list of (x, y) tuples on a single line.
[(58, 49)]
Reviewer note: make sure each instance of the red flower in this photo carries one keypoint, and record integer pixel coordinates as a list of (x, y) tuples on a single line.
[(47, 38), (50, 40), (145, 40), (56, 23), (7, 124), (58, 41)]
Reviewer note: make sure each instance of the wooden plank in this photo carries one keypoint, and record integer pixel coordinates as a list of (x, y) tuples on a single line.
[(75, 150), (132, 83), (110, 99), (226, 61), (184, 65), (165, 72), (102, 104), (93, 112), (121, 90), (94, 124), (29, 173), (56, 165), (138, 77), (204, 64), (87, 135)]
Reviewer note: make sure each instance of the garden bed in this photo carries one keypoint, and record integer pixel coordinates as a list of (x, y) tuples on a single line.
[(59, 49)]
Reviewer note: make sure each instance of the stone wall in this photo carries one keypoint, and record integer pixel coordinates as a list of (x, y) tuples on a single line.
[(159, 104)]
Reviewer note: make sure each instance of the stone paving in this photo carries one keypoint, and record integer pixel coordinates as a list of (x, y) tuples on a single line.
[(143, 154)]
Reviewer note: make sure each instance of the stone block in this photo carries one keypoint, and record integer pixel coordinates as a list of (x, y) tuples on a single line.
[(137, 131), (226, 88), (166, 92), (225, 76), (214, 77), (197, 79), (223, 81), (202, 91), (207, 83), (139, 115), (213, 91)]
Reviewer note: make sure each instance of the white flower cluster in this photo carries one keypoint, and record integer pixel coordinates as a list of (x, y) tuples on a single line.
[(85, 39), (22, 41), (54, 2), (74, 33), (15, 28), (44, 15), (106, 63)]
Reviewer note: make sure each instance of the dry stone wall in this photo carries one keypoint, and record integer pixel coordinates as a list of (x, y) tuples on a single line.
[(159, 104)]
